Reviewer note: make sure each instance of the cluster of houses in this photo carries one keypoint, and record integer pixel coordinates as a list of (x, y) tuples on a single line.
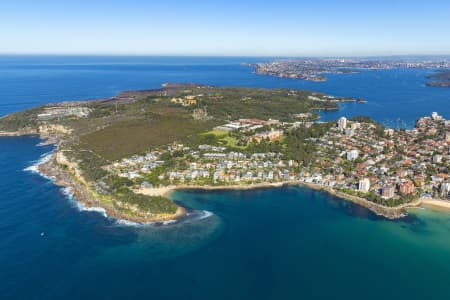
[(55, 112), (390, 164), (210, 165), (269, 135), (185, 101), (396, 163), (234, 170), (255, 125), (246, 125), (134, 166)]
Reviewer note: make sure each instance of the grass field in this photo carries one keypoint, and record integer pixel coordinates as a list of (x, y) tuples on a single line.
[(221, 135), (218, 133), (127, 138)]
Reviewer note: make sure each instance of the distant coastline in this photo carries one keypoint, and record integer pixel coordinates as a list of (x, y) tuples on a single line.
[(439, 79), (68, 171)]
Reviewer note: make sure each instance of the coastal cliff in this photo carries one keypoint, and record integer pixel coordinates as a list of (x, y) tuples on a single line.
[(126, 153), (66, 174)]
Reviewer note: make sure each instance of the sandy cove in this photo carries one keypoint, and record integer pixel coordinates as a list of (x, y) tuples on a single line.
[(166, 190), (387, 212), (83, 194), (435, 203), (391, 213), (63, 178)]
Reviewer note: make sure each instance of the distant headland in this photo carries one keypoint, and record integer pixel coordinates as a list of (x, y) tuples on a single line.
[(316, 69), (439, 79), (126, 153)]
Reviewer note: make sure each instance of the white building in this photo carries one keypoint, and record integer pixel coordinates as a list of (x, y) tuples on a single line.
[(364, 185), (435, 116), (342, 123), (352, 154), (389, 131), (445, 189), (349, 132), (437, 159)]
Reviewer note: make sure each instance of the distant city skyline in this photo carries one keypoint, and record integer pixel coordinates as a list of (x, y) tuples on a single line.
[(225, 28)]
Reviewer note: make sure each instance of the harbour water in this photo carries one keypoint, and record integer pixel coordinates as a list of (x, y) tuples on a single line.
[(283, 243)]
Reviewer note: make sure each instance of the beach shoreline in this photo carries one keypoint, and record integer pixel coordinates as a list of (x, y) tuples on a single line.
[(434, 203), (52, 169), (82, 193), (390, 213)]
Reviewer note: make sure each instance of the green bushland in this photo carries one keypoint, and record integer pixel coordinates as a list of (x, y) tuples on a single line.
[(20, 120), (120, 128), (235, 103), (152, 204), (300, 144), (126, 138)]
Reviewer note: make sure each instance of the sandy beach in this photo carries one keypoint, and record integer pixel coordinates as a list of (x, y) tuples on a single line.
[(50, 168), (166, 190), (83, 193), (440, 204), (388, 212)]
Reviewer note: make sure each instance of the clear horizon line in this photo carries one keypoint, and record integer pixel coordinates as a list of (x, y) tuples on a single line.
[(220, 55)]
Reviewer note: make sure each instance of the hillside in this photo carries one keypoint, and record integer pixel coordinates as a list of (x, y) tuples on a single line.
[(92, 135)]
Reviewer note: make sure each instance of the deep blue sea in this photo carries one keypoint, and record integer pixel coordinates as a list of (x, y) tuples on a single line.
[(287, 243)]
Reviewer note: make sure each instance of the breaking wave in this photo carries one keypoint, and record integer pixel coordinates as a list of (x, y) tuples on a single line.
[(67, 191), (34, 168), (193, 215)]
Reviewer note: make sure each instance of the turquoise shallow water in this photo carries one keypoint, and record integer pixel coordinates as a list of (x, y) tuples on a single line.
[(284, 243), (287, 243)]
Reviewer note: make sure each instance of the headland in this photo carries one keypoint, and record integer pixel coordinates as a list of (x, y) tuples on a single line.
[(126, 154)]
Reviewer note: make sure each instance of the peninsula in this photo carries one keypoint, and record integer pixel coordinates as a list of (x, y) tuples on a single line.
[(439, 79), (316, 69), (126, 153)]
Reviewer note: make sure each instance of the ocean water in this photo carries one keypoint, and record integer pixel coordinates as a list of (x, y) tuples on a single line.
[(287, 243), (395, 97)]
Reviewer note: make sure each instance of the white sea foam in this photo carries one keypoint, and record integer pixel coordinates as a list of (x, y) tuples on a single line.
[(67, 191), (121, 222), (34, 168), (35, 164), (168, 222), (192, 216), (205, 214)]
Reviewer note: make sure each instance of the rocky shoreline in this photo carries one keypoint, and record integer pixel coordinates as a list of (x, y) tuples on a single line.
[(390, 213), (65, 179), (82, 193)]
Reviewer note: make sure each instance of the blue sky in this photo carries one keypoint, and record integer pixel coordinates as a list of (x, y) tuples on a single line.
[(199, 27)]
